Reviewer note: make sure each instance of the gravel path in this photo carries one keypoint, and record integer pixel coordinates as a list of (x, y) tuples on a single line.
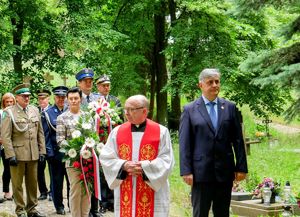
[(46, 207), (285, 128)]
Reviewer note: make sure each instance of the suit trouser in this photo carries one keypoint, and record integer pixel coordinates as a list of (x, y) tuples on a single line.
[(58, 172), (41, 178), (216, 193), (27, 169), (79, 201), (6, 172)]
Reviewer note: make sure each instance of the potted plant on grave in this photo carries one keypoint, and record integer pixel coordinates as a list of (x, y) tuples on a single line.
[(267, 182)]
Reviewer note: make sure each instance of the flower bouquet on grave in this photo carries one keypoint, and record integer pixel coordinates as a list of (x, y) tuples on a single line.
[(82, 151), (267, 182)]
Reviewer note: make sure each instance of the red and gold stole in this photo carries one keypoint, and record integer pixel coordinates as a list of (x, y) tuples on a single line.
[(148, 151)]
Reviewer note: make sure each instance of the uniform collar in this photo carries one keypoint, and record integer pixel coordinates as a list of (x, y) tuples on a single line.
[(20, 107)]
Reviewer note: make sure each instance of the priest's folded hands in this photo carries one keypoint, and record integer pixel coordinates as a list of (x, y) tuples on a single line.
[(133, 168)]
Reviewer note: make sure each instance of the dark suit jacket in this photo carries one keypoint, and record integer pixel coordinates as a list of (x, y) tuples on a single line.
[(209, 155)]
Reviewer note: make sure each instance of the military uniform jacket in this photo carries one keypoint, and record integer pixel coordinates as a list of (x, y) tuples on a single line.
[(93, 97), (111, 98), (23, 139)]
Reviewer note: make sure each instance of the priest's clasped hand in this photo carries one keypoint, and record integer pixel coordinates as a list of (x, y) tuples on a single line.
[(133, 168)]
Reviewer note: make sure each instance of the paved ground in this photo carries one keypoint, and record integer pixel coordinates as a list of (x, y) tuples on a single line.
[(46, 207)]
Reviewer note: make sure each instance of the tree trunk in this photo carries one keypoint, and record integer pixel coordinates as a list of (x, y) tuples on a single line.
[(18, 27), (152, 93), (160, 63), (174, 115)]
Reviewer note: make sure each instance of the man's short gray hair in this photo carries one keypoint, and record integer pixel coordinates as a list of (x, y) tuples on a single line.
[(206, 73), (141, 99)]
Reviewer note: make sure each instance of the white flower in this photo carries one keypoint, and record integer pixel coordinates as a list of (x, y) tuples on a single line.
[(110, 111), (90, 142), (113, 122), (86, 154), (104, 122), (64, 143), (92, 106), (86, 126), (99, 147), (76, 134), (72, 153)]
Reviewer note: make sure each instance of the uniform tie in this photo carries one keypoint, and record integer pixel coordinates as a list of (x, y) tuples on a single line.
[(213, 115), (88, 98), (25, 110)]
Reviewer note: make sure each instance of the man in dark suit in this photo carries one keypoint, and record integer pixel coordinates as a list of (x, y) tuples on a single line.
[(210, 137)]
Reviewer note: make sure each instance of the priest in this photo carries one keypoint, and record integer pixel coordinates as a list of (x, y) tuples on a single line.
[(137, 161)]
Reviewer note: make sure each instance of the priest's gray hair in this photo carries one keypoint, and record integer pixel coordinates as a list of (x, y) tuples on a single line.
[(206, 73), (140, 99)]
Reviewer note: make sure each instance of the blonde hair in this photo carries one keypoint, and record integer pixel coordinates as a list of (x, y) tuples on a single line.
[(6, 96)]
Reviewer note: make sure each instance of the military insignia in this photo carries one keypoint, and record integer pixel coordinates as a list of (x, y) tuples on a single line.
[(3, 115)]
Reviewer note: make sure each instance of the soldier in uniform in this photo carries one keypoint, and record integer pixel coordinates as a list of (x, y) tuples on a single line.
[(57, 167), (43, 101), (107, 195), (23, 139), (85, 81), (103, 86)]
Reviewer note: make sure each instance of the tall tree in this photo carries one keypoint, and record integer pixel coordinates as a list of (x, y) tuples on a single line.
[(32, 40), (277, 71)]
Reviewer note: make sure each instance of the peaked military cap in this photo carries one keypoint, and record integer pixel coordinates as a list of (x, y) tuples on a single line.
[(103, 79), (22, 89), (60, 90), (44, 92), (85, 73)]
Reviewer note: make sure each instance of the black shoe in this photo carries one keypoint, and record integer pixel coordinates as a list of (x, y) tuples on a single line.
[(43, 197), (95, 214), (61, 212), (36, 214), (50, 197), (102, 209)]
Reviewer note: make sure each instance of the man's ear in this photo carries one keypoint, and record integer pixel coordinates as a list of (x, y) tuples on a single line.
[(200, 84)]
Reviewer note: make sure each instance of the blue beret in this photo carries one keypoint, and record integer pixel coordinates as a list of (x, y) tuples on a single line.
[(85, 73), (60, 90)]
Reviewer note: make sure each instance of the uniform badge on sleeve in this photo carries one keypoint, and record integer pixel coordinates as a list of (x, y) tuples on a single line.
[(3, 116)]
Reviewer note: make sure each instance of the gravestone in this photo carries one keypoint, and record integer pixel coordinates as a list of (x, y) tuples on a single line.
[(48, 77), (239, 196), (65, 79), (254, 208)]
